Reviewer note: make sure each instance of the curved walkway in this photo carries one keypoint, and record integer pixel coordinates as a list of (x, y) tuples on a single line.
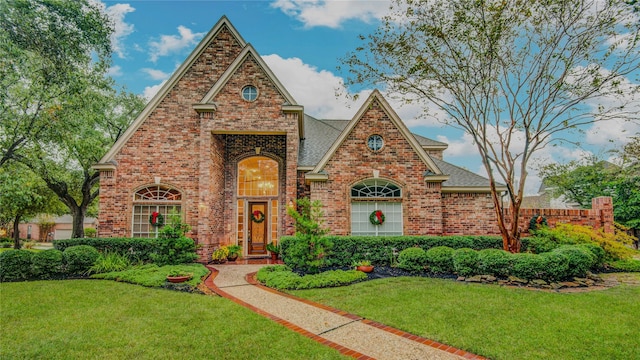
[(350, 334)]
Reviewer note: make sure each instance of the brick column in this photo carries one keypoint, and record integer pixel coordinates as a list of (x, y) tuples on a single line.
[(602, 207)]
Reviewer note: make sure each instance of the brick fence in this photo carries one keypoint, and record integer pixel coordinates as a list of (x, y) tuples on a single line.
[(600, 216)]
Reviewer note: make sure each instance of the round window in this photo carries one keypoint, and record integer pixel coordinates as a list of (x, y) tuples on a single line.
[(375, 142), (249, 93)]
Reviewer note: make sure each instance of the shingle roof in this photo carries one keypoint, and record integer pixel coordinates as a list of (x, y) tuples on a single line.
[(321, 134)]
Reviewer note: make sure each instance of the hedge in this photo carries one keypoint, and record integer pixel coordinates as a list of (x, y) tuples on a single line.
[(15, 265), (136, 249), (80, 258), (47, 264), (383, 250)]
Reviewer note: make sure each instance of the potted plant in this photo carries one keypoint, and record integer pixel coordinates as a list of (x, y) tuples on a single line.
[(178, 276), (363, 265), (274, 249), (219, 255), (234, 252)]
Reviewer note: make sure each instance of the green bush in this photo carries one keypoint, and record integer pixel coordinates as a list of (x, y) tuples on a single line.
[(598, 254), (580, 259), (528, 266), (630, 265), (383, 250), (556, 266), (539, 243), (465, 262), (15, 265), (90, 232), (108, 262), (413, 259), (174, 247), (78, 259), (307, 253), (136, 249), (440, 260), (494, 262), (47, 264), (281, 277)]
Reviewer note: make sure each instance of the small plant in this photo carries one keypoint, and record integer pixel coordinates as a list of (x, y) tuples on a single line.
[(273, 247), (234, 250), (362, 263), (179, 273), (220, 254), (90, 232), (108, 262)]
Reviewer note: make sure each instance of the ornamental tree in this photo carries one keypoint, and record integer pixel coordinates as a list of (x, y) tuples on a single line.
[(513, 74)]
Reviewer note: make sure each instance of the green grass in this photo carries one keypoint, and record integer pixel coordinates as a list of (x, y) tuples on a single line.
[(97, 319), (499, 322)]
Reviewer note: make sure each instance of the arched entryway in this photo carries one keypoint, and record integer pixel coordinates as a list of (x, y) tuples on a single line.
[(257, 204)]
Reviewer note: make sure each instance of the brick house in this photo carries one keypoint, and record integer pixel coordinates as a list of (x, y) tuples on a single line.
[(224, 143)]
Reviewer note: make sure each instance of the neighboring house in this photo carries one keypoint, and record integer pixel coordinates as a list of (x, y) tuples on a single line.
[(62, 228), (224, 143), (546, 199)]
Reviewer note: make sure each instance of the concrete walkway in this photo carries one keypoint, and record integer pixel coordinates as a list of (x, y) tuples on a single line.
[(352, 335)]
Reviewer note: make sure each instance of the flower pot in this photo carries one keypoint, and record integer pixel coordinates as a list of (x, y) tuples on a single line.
[(274, 256), (178, 279), (232, 257), (366, 269)]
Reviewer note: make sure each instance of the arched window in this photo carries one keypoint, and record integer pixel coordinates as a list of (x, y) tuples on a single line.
[(155, 198), (369, 197), (258, 176)]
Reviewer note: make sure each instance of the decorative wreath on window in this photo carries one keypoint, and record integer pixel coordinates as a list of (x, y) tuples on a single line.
[(257, 216), (156, 219), (376, 217)]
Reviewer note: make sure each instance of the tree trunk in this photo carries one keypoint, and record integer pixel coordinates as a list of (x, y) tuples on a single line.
[(78, 222), (16, 232)]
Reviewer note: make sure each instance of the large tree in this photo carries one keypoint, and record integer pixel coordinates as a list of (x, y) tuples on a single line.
[(60, 112), (513, 74)]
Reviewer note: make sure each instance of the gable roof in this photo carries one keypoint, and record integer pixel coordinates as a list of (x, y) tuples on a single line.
[(397, 122)]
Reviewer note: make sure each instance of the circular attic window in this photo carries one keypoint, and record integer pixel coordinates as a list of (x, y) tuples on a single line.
[(249, 93), (375, 142)]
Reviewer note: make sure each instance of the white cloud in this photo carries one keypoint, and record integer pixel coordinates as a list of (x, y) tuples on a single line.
[(115, 71), (169, 44), (332, 14), (150, 91), (156, 74), (122, 29)]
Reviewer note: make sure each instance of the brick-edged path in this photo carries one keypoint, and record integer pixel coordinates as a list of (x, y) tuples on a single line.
[(351, 335)]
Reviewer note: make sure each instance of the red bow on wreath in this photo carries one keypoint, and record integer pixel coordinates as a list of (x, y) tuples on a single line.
[(379, 216), (154, 217)]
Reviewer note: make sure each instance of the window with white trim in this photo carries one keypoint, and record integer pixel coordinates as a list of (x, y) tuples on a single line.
[(156, 198), (369, 197)]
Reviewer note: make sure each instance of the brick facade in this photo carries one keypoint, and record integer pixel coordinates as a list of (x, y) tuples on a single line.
[(192, 136)]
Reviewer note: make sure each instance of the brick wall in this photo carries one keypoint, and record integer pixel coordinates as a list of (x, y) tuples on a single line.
[(468, 214), (397, 161)]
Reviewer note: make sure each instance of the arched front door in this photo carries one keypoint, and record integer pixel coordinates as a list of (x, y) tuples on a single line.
[(257, 204)]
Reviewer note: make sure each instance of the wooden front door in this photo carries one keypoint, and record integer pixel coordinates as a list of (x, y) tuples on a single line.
[(258, 235)]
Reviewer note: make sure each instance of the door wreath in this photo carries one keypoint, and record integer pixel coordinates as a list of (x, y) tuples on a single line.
[(376, 217), (257, 216)]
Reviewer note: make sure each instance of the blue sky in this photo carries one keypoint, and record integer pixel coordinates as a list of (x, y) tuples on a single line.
[(302, 42)]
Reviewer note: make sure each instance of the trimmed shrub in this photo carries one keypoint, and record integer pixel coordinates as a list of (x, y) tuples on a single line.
[(440, 260), (383, 250), (528, 266), (494, 262), (580, 259), (15, 265), (173, 246), (556, 266), (47, 264), (597, 252), (539, 244), (465, 262), (78, 259), (413, 259), (281, 277)]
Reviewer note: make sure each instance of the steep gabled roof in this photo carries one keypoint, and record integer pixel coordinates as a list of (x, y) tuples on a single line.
[(397, 122)]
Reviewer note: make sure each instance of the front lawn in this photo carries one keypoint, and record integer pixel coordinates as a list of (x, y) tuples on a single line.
[(499, 322), (97, 319)]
